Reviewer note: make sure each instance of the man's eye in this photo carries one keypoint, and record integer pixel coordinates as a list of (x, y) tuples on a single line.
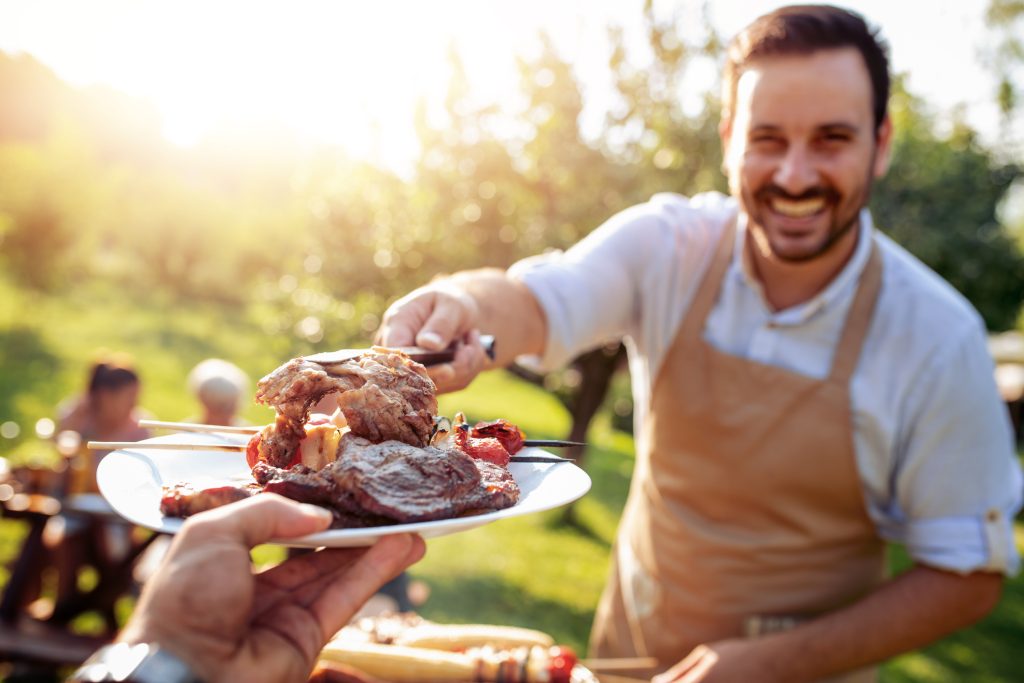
[(836, 138), (765, 140)]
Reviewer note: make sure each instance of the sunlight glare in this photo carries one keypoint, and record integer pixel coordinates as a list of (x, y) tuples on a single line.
[(338, 73)]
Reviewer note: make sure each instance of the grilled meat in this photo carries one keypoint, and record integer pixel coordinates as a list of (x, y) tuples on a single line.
[(183, 500), (382, 471), (310, 486), (498, 489), (403, 482), (384, 395), (385, 483)]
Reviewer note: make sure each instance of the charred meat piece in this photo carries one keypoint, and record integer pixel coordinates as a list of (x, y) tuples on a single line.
[(498, 489), (403, 482), (384, 395), (309, 486), (182, 500), (298, 483)]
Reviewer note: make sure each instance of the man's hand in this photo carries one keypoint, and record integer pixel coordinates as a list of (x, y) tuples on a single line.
[(727, 661), (454, 309), (433, 317), (206, 606)]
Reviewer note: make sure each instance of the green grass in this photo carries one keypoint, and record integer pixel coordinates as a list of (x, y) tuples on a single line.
[(532, 571)]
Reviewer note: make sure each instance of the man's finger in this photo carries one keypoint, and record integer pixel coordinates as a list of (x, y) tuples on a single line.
[(306, 568), (448, 321), (685, 665), (700, 670), (338, 601), (442, 375), (405, 318), (470, 358), (399, 332), (257, 520)]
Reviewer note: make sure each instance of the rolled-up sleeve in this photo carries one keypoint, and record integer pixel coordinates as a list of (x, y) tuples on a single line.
[(958, 483)]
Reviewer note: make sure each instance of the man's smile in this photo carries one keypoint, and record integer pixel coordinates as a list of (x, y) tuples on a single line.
[(796, 208)]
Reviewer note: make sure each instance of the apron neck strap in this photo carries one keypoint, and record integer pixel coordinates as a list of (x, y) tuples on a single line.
[(707, 292), (858, 319)]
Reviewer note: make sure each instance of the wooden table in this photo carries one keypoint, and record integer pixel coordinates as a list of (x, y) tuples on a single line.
[(48, 640)]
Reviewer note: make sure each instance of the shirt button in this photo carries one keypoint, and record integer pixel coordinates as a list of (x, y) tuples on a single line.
[(992, 515)]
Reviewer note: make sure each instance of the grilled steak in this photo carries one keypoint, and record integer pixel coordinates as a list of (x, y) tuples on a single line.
[(182, 500), (384, 395), (309, 486), (498, 489), (403, 482), (374, 485)]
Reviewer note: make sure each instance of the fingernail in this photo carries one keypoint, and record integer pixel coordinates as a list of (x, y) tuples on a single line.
[(430, 340), (323, 514), (416, 548)]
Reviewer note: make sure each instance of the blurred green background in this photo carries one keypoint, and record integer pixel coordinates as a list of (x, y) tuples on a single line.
[(251, 247)]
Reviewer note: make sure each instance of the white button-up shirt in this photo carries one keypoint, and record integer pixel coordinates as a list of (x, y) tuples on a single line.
[(933, 442)]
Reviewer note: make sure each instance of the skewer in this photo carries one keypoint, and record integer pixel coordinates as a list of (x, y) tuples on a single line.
[(551, 443), (238, 448), (138, 445), (193, 427)]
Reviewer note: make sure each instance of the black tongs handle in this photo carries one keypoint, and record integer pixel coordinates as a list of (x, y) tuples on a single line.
[(446, 355), (420, 355)]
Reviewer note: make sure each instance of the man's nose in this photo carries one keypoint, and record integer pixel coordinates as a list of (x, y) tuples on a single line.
[(796, 172)]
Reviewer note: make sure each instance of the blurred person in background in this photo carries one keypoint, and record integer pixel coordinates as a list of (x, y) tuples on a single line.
[(107, 411), (219, 386)]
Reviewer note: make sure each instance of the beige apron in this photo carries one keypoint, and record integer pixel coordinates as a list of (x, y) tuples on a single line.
[(745, 514)]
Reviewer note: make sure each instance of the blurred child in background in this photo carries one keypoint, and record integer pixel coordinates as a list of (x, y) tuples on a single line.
[(219, 386)]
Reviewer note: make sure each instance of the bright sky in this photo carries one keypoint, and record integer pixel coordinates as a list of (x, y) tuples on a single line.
[(350, 72)]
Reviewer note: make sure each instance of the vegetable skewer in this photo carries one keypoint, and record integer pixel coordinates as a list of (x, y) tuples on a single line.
[(250, 430), (237, 448)]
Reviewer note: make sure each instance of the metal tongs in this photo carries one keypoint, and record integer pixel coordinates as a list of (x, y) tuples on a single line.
[(418, 354)]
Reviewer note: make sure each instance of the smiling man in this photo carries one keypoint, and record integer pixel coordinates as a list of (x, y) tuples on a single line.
[(805, 389)]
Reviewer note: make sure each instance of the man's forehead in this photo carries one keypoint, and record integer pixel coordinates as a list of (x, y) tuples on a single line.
[(824, 81)]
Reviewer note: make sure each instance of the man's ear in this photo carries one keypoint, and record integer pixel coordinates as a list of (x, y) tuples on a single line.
[(883, 147)]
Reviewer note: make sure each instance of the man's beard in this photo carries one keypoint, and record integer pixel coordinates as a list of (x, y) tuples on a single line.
[(841, 225)]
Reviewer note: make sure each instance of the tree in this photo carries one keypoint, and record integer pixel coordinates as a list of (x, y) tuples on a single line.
[(1006, 19), (939, 200), (666, 148)]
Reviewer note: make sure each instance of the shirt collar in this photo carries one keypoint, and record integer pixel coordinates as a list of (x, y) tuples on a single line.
[(742, 269)]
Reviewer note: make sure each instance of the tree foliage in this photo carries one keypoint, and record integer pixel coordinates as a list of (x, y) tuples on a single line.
[(939, 200), (316, 245)]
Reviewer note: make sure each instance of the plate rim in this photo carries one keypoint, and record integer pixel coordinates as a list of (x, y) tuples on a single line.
[(107, 477)]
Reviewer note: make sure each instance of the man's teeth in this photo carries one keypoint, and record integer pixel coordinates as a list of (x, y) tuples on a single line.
[(798, 208)]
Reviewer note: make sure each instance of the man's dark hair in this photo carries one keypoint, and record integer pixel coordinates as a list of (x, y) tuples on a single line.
[(803, 30)]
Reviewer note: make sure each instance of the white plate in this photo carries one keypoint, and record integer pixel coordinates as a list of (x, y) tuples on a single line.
[(132, 480)]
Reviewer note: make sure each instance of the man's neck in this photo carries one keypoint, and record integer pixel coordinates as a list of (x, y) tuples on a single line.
[(788, 283)]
